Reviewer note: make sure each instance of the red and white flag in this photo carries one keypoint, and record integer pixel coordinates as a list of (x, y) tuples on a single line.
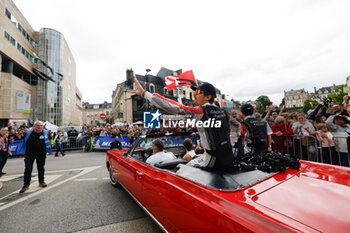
[(186, 78)]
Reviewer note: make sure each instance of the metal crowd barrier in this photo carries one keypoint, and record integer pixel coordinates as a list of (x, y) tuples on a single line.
[(311, 149), (71, 143)]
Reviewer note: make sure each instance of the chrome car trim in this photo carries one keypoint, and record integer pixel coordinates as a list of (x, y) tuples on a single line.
[(144, 209)]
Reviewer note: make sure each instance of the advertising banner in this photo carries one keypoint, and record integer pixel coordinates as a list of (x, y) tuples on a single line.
[(27, 99), (103, 143), (15, 146), (20, 101)]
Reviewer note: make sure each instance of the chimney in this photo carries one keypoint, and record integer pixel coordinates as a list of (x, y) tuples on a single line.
[(129, 74), (315, 90)]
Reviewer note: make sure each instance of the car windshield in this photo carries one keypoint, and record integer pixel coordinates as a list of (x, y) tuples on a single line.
[(169, 141)]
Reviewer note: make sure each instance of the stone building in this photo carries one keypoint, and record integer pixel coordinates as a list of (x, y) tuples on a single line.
[(295, 98), (92, 113)]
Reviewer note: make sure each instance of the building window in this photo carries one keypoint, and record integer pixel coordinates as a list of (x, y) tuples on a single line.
[(8, 13), (7, 36), (190, 95), (13, 41), (166, 92), (68, 99), (175, 93), (184, 93), (19, 47), (151, 88)]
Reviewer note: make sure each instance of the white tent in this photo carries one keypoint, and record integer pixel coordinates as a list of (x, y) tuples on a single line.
[(50, 126), (117, 124)]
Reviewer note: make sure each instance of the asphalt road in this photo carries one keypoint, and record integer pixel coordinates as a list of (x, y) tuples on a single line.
[(79, 198)]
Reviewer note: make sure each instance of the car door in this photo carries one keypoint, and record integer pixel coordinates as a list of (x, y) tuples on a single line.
[(129, 172)]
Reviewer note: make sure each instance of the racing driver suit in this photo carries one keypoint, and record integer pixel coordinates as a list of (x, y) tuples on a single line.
[(206, 161)]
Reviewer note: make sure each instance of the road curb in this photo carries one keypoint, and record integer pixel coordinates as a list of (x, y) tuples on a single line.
[(1, 185)]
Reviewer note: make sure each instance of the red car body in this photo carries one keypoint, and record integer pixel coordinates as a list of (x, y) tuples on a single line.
[(315, 198)]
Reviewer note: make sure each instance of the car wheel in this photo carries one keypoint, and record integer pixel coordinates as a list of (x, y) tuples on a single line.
[(113, 180)]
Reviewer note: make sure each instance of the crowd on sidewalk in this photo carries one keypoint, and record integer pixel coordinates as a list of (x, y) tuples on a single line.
[(322, 132)]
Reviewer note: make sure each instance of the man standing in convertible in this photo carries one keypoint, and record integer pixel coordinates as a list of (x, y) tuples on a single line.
[(218, 153)]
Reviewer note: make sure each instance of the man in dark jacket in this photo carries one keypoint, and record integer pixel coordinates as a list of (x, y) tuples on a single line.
[(116, 144), (35, 146), (258, 137), (72, 136)]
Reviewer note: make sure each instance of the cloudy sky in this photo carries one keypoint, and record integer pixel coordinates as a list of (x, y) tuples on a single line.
[(245, 48)]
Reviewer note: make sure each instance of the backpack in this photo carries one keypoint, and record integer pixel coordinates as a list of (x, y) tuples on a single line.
[(219, 138)]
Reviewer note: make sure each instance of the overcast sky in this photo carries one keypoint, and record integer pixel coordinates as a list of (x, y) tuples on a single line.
[(245, 48)]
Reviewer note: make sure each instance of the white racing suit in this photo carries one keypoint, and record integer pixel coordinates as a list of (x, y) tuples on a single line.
[(197, 112)]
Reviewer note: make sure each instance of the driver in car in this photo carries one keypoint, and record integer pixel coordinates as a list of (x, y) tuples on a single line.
[(158, 154), (218, 154)]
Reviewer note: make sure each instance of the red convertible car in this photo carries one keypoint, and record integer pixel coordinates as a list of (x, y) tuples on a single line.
[(180, 198)]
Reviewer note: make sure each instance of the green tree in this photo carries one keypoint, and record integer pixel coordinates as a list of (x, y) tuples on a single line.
[(109, 120), (282, 103), (338, 97), (263, 101), (307, 106)]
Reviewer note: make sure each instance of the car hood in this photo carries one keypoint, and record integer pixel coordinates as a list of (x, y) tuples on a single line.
[(318, 196)]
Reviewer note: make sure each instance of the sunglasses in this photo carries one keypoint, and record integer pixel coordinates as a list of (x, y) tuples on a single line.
[(198, 92)]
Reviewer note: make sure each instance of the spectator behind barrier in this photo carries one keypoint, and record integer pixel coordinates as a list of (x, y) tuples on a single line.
[(338, 125), (328, 153), (281, 131)]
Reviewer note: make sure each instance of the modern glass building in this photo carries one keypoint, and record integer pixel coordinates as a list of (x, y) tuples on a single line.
[(49, 102)]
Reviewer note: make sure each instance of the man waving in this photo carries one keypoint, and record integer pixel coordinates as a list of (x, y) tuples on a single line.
[(216, 141)]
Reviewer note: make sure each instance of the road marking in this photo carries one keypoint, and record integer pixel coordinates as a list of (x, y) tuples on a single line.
[(136, 225), (105, 178), (86, 179), (2, 203), (84, 171), (10, 177), (34, 186)]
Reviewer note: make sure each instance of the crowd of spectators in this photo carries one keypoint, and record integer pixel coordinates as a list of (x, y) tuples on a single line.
[(320, 135)]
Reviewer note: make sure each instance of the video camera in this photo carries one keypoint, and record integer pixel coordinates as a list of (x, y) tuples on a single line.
[(327, 101)]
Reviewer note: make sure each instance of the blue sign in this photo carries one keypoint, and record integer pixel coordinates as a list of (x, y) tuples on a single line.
[(151, 120), (103, 143), (15, 146)]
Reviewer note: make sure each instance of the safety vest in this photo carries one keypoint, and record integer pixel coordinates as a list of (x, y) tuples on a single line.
[(22, 150)]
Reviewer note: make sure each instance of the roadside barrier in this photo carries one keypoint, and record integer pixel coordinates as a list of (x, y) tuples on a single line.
[(85, 144), (315, 149)]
